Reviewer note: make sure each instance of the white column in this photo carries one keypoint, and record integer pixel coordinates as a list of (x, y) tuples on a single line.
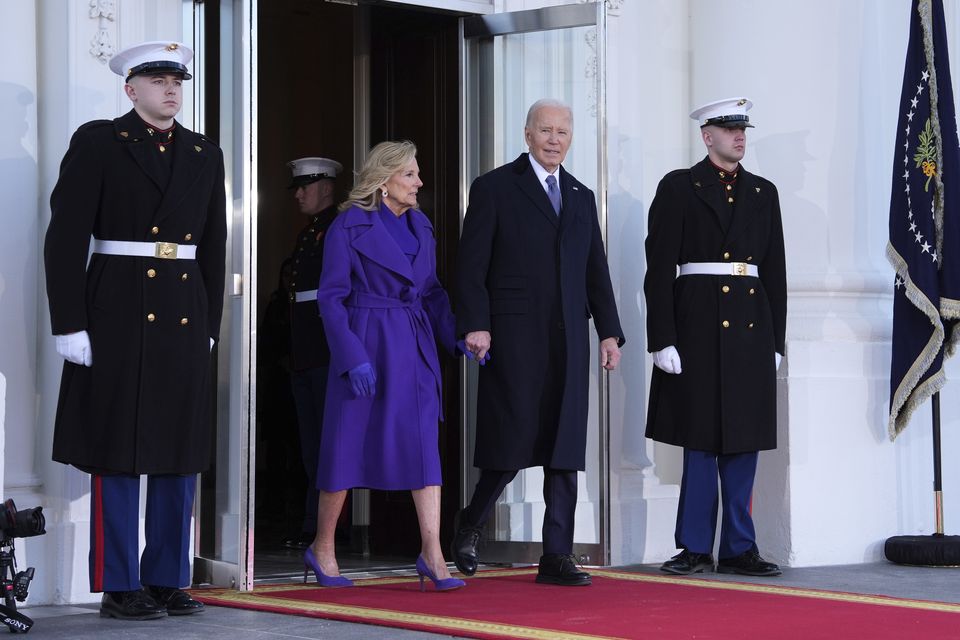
[(648, 54)]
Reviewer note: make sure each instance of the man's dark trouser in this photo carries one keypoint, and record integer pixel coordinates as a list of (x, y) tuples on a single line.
[(309, 392), (559, 494)]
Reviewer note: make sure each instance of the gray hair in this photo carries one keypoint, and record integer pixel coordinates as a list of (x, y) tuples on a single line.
[(547, 102), (384, 160)]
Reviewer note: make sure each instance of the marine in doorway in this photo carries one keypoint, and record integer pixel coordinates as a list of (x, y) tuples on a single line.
[(136, 327), (314, 182)]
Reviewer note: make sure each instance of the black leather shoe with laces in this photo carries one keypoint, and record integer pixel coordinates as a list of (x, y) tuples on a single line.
[(463, 548), (748, 563), (687, 562), (178, 602), (130, 605), (561, 569)]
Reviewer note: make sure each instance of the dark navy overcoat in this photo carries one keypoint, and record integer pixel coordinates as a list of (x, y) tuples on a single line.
[(533, 279)]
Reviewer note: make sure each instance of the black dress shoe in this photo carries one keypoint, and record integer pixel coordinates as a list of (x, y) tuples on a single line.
[(748, 563), (559, 568), (687, 562), (299, 542), (178, 603), (463, 548), (130, 605)]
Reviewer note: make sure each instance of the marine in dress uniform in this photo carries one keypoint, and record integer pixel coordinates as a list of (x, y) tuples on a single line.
[(716, 317), (143, 196), (313, 179), (531, 271)]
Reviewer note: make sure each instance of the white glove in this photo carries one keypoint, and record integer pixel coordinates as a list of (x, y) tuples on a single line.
[(211, 345), (777, 358), (667, 359), (75, 348)]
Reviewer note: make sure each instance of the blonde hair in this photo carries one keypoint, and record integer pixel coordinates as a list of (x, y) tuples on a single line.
[(384, 160)]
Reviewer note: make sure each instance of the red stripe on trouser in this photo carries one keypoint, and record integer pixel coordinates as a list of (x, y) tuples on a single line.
[(97, 525)]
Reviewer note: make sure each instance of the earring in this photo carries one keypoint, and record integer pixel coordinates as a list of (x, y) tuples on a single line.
[(384, 193)]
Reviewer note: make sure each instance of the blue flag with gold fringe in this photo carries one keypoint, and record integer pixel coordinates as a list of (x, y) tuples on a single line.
[(923, 246)]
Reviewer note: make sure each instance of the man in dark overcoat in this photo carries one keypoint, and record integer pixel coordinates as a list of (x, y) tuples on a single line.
[(531, 271), (716, 316), (136, 326), (314, 182)]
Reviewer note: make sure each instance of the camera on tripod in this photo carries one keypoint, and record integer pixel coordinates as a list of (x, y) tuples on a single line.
[(14, 584)]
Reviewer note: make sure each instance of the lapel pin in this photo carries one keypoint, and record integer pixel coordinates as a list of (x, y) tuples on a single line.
[(124, 134), (197, 148), (758, 189), (697, 185), (575, 188)]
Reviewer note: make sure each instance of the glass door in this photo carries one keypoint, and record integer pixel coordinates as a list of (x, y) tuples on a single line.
[(510, 60), (224, 39)]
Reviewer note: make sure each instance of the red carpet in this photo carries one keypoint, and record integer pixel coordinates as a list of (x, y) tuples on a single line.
[(508, 604)]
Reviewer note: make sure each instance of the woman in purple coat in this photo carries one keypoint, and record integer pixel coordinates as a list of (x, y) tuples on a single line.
[(383, 312)]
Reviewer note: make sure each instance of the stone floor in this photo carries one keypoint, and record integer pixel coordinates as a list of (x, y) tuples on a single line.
[(83, 622)]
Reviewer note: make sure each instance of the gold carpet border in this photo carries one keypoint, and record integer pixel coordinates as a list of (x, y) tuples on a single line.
[(386, 615), (888, 601)]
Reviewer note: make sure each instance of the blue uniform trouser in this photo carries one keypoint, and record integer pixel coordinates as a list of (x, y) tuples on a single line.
[(115, 562), (697, 512), (309, 391), (559, 497)]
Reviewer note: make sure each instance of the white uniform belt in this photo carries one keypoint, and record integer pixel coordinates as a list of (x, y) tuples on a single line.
[(307, 296), (719, 269), (162, 250)]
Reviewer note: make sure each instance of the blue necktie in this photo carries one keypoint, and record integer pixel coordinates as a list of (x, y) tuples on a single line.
[(553, 193)]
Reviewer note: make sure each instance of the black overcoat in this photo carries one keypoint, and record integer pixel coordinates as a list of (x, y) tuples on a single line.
[(308, 342), (725, 399), (144, 405), (533, 279)]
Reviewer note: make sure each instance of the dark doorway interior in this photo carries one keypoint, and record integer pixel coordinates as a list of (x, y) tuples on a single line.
[(306, 108)]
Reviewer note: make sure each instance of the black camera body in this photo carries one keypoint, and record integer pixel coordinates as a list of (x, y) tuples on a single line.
[(14, 584)]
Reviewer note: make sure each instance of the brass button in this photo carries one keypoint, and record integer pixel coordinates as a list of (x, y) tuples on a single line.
[(749, 258), (726, 255), (751, 291), (725, 289), (188, 237), (184, 277), (726, 324), (155, 230), (730, 200), (186, 320), (151, 317), (750, 326), (151, 273), (729, 187)]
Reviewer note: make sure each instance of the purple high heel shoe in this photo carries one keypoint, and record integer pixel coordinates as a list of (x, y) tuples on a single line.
[(310, 562), (439, 584)]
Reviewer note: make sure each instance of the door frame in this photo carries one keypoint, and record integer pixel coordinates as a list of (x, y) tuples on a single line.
[(474, 118)]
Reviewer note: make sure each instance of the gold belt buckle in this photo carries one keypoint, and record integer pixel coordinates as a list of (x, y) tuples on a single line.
[(739, 268), (165, 250)]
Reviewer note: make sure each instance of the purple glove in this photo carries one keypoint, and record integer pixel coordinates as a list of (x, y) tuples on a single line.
[(462, 350), (363, 380)]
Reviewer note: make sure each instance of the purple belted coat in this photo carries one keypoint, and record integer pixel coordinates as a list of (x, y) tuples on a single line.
[(380, 308)]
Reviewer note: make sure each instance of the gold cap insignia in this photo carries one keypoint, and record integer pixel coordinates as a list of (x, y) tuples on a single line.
[(173, 46), (742, 102)]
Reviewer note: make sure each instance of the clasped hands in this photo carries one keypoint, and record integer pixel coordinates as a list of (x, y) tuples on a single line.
[(363, 379), (668, 360)]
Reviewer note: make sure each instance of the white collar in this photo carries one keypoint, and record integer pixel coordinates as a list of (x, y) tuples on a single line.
[(543, 173)]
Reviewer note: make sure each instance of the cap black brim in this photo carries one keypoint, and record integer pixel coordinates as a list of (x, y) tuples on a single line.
[(159, 67)]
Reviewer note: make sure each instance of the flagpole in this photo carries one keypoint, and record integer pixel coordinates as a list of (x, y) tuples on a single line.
[(937, 475)]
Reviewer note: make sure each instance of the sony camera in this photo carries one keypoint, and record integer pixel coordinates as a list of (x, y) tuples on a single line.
[(14, 584)]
